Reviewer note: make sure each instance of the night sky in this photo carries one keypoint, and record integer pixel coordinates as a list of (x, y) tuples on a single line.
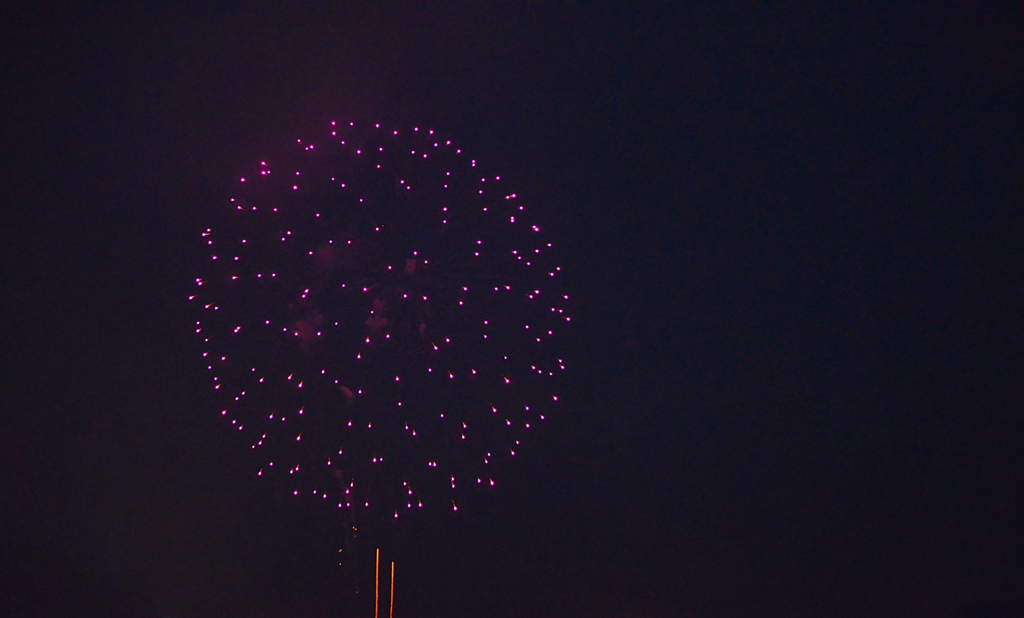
[(794, 240)]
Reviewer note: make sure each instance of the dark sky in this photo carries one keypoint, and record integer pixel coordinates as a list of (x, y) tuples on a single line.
[(794, 235)]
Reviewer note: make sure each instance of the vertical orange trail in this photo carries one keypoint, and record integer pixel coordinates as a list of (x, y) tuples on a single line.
[(376, 587), (391, 614)]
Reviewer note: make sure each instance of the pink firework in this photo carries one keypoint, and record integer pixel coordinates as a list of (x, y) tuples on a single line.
[(380, 319)]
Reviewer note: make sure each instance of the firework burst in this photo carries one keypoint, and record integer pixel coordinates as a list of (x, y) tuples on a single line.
[(379, 319)]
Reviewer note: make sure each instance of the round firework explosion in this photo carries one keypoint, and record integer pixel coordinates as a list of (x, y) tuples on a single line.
[(379, 320)]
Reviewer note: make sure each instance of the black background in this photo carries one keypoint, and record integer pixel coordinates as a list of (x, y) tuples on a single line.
[(794, 238)]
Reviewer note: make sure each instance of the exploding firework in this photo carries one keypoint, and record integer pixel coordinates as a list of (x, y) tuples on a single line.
[(379, 320)]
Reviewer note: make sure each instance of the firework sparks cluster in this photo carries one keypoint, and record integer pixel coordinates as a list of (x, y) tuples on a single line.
[(379, 319)]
